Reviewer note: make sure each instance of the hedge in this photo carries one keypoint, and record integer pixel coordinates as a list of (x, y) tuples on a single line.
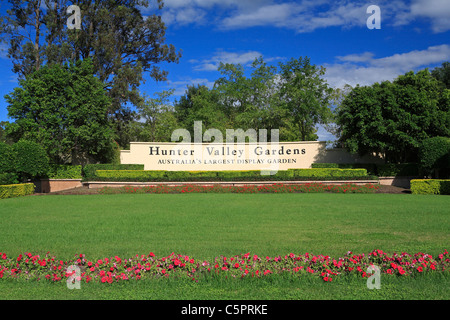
[(381, 170), (430, 186), (16, 190), (89, 170), (31, 160), (251, 175), (63, 171), (370, 167)]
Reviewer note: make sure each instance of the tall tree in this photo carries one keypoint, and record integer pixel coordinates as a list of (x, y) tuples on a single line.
[(442, 74), (249, 102), (23, 27), (305, 95), (64, 109), (199, 103), (293, 98), (3, 136), (393, 118), (156, 120), (122, 43)]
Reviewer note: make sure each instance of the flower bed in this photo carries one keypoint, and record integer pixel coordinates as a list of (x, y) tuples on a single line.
[(273, 188), (116, 269)]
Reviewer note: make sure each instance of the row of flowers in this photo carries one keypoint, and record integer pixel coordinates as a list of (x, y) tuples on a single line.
[(116, 269), (271, 188)]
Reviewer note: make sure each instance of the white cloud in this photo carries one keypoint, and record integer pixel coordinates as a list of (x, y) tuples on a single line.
[(184, 17), (212, 64), (438, 11), (185, 12), (303, 15), (364, 69), (278, 15), (181, 85), (363, 57)]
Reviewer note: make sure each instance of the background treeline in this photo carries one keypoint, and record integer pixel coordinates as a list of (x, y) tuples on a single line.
[(78, 95)]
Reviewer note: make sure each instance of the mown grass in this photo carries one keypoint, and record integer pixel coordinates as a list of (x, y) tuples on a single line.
[(205, 226)]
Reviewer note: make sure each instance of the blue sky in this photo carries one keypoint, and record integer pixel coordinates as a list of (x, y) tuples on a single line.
[(414, 35)]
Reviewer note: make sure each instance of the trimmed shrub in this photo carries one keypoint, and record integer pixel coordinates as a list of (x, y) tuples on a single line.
[(248, 174), (31, 160), (130, 175), (251, 175), (434, 155), (430, 186), (16, 190), (330, 173), (381, 170), (370, 167), (89, 170), (63, 171)]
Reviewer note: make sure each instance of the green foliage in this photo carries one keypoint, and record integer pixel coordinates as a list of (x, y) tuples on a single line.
[(381, 170), (89, 170), (305, 95), (434, 154), (115, 158), (330, 173), (201, 104), (7, 158), (370, 167), (249, 175), (64, 109), (157, 119), (3, 135), (292, 98), (16, 190), (392, 118), (31, 160), (62, 171), (430, 186), (398, 170), (442, 74), (8, 178), (122, 41), (327, 165)]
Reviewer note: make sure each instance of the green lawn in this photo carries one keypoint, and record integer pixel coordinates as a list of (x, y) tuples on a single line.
[(208, 225)]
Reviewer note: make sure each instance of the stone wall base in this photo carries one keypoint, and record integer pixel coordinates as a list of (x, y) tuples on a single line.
[(402, 182), (54, 185)]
